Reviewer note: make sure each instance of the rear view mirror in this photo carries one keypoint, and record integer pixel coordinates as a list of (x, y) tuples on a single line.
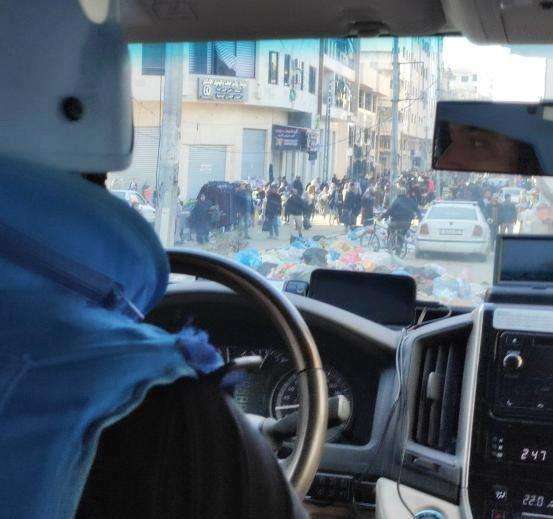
[(513, 138)]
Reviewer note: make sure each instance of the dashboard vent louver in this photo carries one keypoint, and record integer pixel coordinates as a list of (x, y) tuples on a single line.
[(438, 396)]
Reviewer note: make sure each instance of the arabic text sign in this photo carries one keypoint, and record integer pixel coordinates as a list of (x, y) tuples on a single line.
[(288, 138), (228, 90)]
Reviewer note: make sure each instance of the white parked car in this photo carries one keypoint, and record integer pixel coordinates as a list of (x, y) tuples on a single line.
[(453, 226), (136, 200)]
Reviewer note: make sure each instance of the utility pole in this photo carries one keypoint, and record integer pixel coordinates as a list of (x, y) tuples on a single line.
[(320, 97), (395, 103), (326, 157), (169, 144), (439, 61), (354, 105)]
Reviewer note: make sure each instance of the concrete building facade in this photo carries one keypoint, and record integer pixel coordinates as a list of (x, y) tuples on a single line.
[(247, 106), (418, 61)]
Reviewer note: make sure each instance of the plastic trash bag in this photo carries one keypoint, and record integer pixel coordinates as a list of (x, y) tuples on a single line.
[(445, 288), (315, 256), (266, 267), (333, 254), (297, 242), (249, 257)]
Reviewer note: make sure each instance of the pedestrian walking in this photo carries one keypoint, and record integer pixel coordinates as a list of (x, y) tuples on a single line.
[(245, 209), (294, 210), (352, 204), (367, 207), (200, 219), (297, 185), (507, 215), (271, 211)]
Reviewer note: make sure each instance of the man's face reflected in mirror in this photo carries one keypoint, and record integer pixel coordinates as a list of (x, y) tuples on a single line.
[(479, 150)]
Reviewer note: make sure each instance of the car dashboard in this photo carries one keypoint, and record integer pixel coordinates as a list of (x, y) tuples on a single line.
[(428, 430)]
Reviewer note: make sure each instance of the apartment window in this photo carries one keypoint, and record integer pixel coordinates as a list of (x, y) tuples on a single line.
[(223, 58), (273, 68), (287, 61), (464, 79), (295, 73), (342, 49), (153, 59), (302, 74), (474, 77), (361, 99), (369, 101), (312, 79)]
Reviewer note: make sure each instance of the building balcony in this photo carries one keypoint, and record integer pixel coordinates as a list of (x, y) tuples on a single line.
[(366, 118), (338, 67), (369, 77), (338, 114)]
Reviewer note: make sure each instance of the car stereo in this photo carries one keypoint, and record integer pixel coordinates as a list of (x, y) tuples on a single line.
[(511, 457), (511, 463), (524, 375)]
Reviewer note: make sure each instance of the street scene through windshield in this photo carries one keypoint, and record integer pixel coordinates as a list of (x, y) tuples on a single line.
[(292, 155)]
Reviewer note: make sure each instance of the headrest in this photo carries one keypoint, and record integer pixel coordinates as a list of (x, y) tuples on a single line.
[(65, 89), (59, 230)]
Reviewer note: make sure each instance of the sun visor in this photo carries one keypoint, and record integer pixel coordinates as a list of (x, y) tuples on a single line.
[(502, 21), (66, 93)]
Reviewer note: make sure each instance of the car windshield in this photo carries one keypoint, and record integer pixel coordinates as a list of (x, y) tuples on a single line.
[(451, 212), (291, 155)]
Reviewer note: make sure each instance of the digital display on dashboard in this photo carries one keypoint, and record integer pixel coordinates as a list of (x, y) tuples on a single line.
[(527, 450), (535, 501), (533, 454), (383, 298), (524, 260)]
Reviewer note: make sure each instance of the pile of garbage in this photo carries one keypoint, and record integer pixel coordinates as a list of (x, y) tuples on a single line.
[(299, 259)]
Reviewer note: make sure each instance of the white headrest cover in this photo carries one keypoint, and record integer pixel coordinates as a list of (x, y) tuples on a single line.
[(65, 88)]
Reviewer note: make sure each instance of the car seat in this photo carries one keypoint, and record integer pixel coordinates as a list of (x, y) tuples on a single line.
[(86, 388)]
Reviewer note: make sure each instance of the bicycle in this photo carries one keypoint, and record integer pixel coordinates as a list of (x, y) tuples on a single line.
[(396, 242), (370, 237)]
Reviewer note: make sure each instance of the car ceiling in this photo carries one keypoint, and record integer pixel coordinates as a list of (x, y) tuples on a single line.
[(485, 21)]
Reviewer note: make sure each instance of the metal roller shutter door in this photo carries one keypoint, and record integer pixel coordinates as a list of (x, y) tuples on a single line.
[(253, 153), (206, 163), (144, 161)]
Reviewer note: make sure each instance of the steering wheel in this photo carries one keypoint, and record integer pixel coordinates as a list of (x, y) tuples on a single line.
[(302, 464)]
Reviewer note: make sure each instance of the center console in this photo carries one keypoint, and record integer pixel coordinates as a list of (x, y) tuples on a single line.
[(511, 462), (511, 457)]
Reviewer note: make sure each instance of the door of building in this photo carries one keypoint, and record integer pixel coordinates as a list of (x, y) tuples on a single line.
[(253, 154), (206, 163)]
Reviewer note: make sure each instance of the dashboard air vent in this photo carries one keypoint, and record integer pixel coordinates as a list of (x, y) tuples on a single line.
[(439, 395)]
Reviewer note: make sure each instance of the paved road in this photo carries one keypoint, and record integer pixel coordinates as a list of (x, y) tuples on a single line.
[(468, 268), (456, 265)]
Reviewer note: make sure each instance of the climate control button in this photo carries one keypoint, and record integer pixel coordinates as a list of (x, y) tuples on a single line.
[(513, 361)]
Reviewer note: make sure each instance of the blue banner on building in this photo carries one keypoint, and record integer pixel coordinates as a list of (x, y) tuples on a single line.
[(288, 138)]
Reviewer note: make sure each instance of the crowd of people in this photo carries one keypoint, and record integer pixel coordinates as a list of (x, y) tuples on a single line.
[(344, 202), (347, 202), (500, 211)]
